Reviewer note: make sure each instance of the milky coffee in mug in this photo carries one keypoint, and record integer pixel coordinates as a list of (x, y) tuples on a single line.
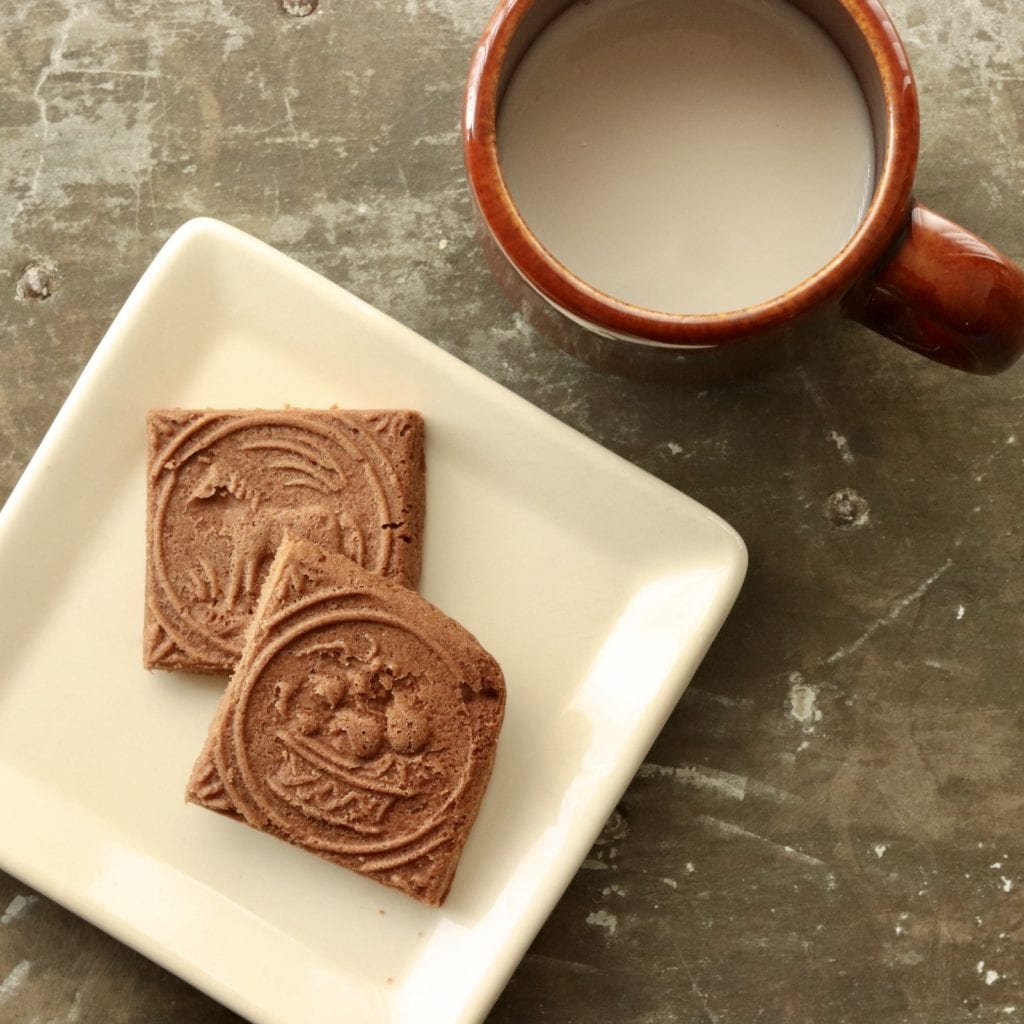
[(690, 156)]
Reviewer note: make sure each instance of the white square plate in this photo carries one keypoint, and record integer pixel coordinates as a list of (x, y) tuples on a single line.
[(597, 587)]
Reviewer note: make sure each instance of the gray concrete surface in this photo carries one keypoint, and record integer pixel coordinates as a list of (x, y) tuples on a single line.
[(829, 829)]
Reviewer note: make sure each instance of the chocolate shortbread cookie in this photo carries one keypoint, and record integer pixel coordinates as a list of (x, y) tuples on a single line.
[(360, 724), (223, 488)]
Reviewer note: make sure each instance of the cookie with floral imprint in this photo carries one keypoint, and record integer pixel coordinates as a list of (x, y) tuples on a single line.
[(361, 724)]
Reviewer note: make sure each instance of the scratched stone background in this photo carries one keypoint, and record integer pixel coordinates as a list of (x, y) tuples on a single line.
[(829, 828)]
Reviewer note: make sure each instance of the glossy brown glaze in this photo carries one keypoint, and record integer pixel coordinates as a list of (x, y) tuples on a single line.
[(948, 295), (626, 339)]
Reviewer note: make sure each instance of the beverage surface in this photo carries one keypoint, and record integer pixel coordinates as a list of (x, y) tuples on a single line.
[(694, 157)]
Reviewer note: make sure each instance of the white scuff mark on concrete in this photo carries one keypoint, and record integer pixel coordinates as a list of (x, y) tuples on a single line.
[(287, 229), (908, 957), (397, 229), (593, 864), (613, 890), (895, 611), (996, 865), (842, 446), (803, 702), (763, 791), (83, 137), (237, 31), (990, 976), (673, 448), (467, 17), (54, 65), (689, 867), (14, 980), (1005, 883), (500, 335), (671, 883), (1012, 439), (715, 780), (602, 919), (74, 1010), (287, 95), (441, 140), (698, 777), (880, 849), (981, 46), (961, 611), (17, 908), (724, 700), (727, 828), (801, 856), (701, 995), (814, 391)]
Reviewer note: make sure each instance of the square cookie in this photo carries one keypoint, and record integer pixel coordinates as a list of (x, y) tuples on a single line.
[(225, 485), (360, 724)]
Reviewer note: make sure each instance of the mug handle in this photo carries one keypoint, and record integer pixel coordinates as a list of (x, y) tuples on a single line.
[(946, 294)]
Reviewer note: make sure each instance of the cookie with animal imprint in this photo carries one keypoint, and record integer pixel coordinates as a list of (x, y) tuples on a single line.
[(225, 486)]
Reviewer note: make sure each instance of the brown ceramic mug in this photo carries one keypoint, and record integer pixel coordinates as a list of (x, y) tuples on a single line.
[(907, 273)]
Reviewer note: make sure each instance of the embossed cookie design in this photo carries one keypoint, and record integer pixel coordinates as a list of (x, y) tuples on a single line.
[(225, 486), (360, 724)]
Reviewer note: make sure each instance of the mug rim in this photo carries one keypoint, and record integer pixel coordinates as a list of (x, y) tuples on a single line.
[(882, 222)]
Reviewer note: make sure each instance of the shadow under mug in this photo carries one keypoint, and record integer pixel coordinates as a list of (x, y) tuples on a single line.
[(907, 273)]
